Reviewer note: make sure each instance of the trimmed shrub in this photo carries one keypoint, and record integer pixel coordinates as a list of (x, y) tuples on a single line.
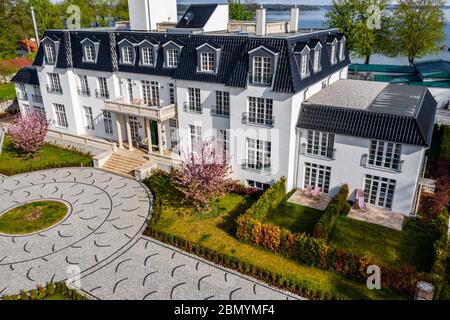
[(268, 201), (337, 205)]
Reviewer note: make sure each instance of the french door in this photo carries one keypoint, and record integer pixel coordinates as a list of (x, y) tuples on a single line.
[(134, 126), (317, 176), (379, 191)]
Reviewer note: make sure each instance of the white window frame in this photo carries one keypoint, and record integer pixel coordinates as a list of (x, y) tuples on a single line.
[(207, 61), (259, 154), (89, 53), (316, 62), (304, 65), (147, 56), (317, 176), (150, 93), (194, 99), (260, 111), (196, 137), (223, 142), (40, 110), (385, 155), (54, 82), (172, 95), (60, 116), (88, 118), (107, 122), (379, 191), (127, 54), (320, 144), (262, 70), (258, 185), (103, 87), (50, 53), (172, 58), (333, 54), (26, 109), (342, 50), (222, 103), (84, 84)]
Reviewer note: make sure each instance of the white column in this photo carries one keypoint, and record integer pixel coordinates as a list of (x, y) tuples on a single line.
[(119, 130), (149, 134), (160, 144), (130, 141)]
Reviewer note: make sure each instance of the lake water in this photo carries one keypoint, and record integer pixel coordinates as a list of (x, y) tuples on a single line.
[(316, 18)]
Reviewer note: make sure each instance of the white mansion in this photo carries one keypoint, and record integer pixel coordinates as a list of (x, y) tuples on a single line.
[(275, 97)]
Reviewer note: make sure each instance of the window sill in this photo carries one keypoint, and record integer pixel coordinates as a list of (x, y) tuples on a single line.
[(316, 156), (373, 167)]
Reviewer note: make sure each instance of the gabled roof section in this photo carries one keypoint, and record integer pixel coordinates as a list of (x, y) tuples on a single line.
[(402, 114), (331, 38), (93, 41), (127, 40), (211, 44), (176, 42), (266, 46), (196, 16), (150, 41), (314, 43), (300, 47), (27, 75)]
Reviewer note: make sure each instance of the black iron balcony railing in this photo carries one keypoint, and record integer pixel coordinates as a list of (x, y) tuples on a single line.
[(383, 163), (267, 121), (328, 154), (54, 89), (258, 167), (84, 92), (260, 79), (101, 94), (220, 111), (188, 107), (36, 98)]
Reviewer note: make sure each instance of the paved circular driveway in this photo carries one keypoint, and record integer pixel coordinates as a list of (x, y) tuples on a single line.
[(100, 240)]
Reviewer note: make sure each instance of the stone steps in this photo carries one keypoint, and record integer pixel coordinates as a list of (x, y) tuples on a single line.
[(123, 166)]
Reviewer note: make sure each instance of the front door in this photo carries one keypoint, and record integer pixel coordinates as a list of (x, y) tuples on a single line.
[(154, 133), (134, 126)]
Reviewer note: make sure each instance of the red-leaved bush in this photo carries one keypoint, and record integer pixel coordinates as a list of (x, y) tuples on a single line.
[(27, 132)]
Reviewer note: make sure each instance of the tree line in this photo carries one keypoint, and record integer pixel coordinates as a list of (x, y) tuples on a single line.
[(411, 28)]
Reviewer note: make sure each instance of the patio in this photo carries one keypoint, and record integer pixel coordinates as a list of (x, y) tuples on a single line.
[(379, 216), (301, 198)]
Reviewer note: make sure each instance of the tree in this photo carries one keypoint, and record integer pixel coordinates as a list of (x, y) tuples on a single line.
[(203, 176), (21, 18), (27, 133), (362, 22), (6, 70), (7, 35), (417, 28), (238, 11)]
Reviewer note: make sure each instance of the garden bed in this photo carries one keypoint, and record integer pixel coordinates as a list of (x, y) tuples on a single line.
[(212, 236), (49, 156)]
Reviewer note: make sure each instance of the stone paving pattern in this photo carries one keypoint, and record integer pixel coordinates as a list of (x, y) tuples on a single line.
[(101, 238)]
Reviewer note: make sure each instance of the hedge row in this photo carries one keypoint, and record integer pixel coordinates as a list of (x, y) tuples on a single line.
[(440, 247), (41, 293), (269, 200), (326, 223)]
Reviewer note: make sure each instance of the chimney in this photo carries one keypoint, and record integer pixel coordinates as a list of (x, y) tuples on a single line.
[(294, 19), (261, 21), (146, 14)]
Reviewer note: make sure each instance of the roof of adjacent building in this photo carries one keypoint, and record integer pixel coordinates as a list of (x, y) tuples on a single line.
[(26, 75), (433, 69), (233, 66), (373, 110), (381, 68), (197, 15)]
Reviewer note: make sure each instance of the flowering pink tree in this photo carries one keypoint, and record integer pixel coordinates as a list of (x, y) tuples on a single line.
[(27, 132), (203, 176)]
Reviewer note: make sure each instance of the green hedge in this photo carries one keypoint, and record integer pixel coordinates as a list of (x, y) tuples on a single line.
[(438, 268), (50, 289), (269, 200), (326, 223), (48, 165)]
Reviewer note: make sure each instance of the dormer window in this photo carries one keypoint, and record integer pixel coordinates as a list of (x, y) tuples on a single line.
[(262, 70), (89, 54), (342, 49), (207, 61), (262, 64), (333, 54), (127, 54), (172, 58), (148, 51), (304, 65), (50, 53), (316, 60), (147, 56)]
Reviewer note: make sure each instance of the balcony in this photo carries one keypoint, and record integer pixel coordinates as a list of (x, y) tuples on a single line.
[(140, 108), (36, 98), (22, 95), (220, 112), (54, 90), (267, 121), (386, 164), (84, 92), (260, 80), (101, 94), (187, 107), (329, 154), (256, 167)]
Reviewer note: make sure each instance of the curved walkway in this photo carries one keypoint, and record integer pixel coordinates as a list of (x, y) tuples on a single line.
[(100, 242)]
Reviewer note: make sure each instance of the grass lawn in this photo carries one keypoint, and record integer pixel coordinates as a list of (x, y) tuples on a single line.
[(7, 91), (12, 162), (411, 246), (56, 296), (32, 217), (294, 217), (216, 231)]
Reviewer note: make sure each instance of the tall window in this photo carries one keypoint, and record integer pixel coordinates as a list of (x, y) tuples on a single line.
[(147, 56), (259, 154), (103, 88), (61, 118), (379, 191), (172, 58), (342, 50), (107, 121), (208, 61), (54, 84), (304, 66), (194, 100), (317, 176), (260, 111), (130, 90), (26, 109), (223, 142), (84, 86), (196, 137), (262, 70), (320, 144), (127, 54), (39, 110), (171, 93), (21, 92), (50, 53), (150, 90), (316, 62), (384, 154), (89, 118), (333, 54), (89, 53), (222, 103)]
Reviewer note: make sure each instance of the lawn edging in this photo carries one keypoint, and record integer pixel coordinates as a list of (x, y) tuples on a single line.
[(316, 252), (40, 293)]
